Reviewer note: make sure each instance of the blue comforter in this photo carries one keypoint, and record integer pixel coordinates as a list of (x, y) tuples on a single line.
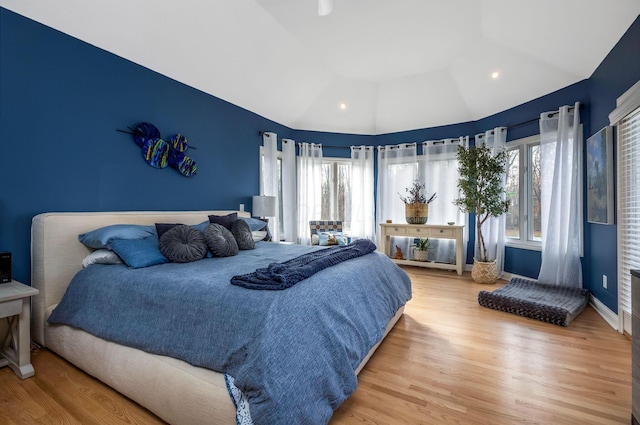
[(292, 353)]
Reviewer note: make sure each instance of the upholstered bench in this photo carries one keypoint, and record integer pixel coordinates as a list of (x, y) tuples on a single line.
[(529, 298)]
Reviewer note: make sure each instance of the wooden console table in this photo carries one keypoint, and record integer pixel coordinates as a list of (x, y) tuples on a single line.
[(435, 231)]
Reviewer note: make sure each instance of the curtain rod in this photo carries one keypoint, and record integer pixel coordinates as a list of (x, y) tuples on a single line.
[(261, 133), (538, 119)]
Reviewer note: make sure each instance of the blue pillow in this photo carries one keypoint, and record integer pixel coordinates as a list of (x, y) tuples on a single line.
[(254, 223), (332, 238), (137, 253), (100, 238), (201, 226)]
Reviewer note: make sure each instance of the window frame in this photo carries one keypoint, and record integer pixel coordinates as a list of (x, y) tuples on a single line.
[(525, 194), (334, 161), (333, 192), (524, 145)]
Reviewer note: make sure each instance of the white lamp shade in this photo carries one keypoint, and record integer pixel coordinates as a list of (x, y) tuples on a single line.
[(264, 206), (325, 7)]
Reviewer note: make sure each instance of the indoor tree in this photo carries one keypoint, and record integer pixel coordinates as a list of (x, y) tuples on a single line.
[(481, 187)]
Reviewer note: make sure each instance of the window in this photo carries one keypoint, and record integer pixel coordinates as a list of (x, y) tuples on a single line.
[(336, 190), (628, 211), (279, 171), (523, 220)]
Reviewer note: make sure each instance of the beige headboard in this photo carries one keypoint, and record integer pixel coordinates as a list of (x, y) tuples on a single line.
[(56, 253)]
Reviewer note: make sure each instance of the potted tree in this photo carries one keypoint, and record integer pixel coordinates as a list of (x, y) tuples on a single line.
[(421, 250), (482, 193), (416, 204)]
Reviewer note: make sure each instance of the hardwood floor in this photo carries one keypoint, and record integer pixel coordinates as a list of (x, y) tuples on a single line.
[(447, 361)]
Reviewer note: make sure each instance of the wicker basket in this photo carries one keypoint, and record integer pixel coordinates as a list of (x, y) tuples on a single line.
[(421, 254), (416, 213), (484, 272)]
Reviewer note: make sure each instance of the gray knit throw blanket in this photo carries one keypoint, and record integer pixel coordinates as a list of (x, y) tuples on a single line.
[(278, 276)]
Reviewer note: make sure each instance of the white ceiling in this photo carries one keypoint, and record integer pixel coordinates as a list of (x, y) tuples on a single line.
[(396, 64)]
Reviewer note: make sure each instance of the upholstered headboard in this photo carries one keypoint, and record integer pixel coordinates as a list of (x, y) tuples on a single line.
[(56, 253)]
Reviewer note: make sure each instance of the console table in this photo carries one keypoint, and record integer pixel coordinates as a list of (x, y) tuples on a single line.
[(435, 231)]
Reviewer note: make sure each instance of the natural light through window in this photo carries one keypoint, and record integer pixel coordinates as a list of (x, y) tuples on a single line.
[(523, 222)]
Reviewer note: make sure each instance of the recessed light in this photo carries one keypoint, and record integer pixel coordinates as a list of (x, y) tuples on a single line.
[(343, 106), (495, 75)]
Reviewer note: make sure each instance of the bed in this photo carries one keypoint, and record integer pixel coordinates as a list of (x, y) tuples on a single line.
[(173, 389)]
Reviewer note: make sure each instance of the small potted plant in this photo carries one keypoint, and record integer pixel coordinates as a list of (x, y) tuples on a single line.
[(482, 193), (416, 204), (421, 250)]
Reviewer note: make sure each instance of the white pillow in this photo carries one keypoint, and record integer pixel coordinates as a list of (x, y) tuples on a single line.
[(258, 235), (101, 256)]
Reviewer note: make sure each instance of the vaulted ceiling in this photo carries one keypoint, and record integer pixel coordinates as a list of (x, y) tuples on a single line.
[(393, 65)]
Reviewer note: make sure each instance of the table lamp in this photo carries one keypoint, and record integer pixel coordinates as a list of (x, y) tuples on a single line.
[(264, 206)]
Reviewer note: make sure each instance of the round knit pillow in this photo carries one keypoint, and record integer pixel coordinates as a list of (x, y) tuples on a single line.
[(183, 244), (242, 234), (220, 241)]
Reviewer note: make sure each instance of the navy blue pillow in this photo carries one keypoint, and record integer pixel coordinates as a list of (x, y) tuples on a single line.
[(162, 228), (224, 220), (137, 253)]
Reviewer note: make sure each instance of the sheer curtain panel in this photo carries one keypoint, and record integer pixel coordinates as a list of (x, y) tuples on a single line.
[(559, 157), (493, 229), (440, 173), (397, 169), (309, 189), (289, 195), (269, 181), (362, 213)]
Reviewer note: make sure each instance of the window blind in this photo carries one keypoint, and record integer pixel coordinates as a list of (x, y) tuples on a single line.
[(628, 211)]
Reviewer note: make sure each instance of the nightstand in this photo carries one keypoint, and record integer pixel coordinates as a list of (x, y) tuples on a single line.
[(15, 343)]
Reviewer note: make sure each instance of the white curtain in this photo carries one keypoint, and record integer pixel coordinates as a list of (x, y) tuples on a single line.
[(309, 189), (559, 156), (439, 170), (397, 169), (289, 195), (362, 213), (269, 180), (493, 229)]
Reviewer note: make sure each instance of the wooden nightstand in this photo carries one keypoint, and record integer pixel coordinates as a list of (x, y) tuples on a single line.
[(15, 343)]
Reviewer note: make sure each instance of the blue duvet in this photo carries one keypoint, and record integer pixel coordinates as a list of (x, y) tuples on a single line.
[(292, 353)]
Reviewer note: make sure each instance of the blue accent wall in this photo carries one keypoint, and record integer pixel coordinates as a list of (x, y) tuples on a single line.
[(616, 74), (61, 101)]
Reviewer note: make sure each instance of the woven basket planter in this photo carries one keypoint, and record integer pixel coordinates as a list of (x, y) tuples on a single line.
[(416, 213), (421, 254), (484, 272)]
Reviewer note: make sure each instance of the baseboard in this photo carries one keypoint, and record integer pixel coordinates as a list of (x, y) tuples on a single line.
[(609, 316)]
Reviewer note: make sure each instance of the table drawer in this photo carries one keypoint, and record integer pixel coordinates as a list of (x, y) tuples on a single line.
[(441, 233), (421, 232), (396, 231), (10, 308)]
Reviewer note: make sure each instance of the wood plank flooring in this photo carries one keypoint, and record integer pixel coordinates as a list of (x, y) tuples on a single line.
[(447, 361)]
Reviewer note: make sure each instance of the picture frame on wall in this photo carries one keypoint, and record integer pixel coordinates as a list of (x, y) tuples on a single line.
[(600, 191)]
